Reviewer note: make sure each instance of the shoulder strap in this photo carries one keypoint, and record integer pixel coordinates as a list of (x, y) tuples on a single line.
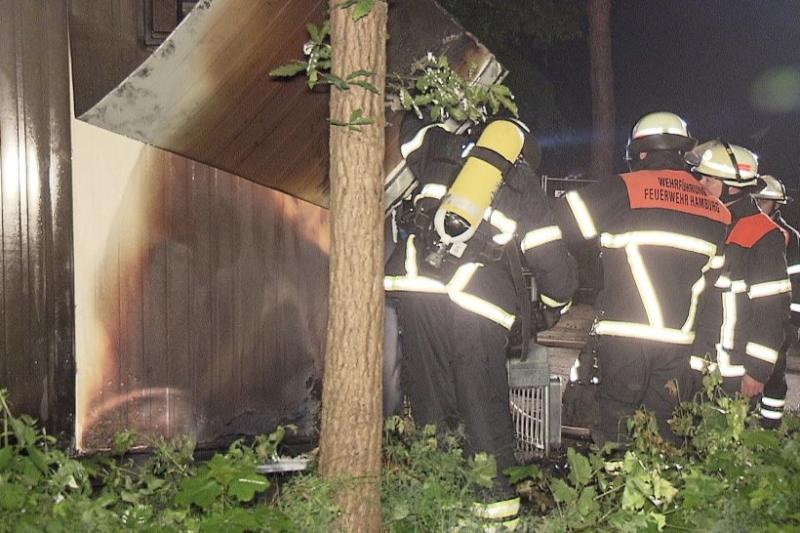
[(523, 296)]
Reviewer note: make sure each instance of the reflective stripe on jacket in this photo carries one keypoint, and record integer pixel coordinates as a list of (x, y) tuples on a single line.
[(519, 209), (792, 265), (660, 231), (740, 329)]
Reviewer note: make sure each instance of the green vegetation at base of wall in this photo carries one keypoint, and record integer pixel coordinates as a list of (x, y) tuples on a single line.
[(730, 476)]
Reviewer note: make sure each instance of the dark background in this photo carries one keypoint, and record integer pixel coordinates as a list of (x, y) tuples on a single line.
[(729, 68)]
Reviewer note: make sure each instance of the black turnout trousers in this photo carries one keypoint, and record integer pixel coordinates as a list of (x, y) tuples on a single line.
[(636, 373), (454, 372)]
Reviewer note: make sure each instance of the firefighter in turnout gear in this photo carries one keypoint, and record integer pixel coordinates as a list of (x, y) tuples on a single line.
[(457, 299), (660, 231), (743, 313), (769, 200)]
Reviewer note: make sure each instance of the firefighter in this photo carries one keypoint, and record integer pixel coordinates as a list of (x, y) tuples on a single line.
[(659, 232), (457, 299), (741, 322), (769, 200)]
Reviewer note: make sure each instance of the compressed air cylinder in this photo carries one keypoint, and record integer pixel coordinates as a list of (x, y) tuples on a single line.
[(472, 191)]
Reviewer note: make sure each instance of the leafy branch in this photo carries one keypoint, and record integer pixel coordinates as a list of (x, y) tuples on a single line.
[(360, 8), (357, 119), (433, 85), (317, 67)]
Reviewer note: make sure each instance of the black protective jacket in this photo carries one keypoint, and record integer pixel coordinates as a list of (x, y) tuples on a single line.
[(660, 231), (743, 313), (519, 215), (792, 263)]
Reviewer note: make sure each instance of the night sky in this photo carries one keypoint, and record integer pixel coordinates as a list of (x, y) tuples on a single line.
[(729, 68)]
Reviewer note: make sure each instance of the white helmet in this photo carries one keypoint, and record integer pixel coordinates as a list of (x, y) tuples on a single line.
[(734, 165), (773, 190), (659, 131)]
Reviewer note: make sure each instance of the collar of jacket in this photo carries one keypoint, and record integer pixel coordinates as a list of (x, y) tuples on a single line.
[(744, 207), (660, 160)]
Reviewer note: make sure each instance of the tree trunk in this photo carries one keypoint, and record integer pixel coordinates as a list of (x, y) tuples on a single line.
[(350, 441), (602, 75)]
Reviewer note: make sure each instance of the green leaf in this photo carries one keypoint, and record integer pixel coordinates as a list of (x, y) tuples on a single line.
[(238, 520), (580, 470), (658, 519), (663, 490), (222, 469), (30, 472), (12, 496), (362, 9), (198, 490), (5, 456), (518, 473), (457, 113), (318, 33), (632, 497), (366, 85), (289, 70), (25, 433), (561, 491), (325, 30), (243, 488), (359, 74), (123, 441), (760, 439), (587, 504), (483, 469), (336, 81), (38, 459)]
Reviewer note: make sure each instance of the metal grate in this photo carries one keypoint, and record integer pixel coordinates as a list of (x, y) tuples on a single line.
[(529, 414), (534, 397)]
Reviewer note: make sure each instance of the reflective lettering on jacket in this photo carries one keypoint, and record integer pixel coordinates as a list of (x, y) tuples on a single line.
[(618, 212)]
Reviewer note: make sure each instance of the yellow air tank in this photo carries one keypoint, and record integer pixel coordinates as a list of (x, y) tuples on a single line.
[(472, 191)]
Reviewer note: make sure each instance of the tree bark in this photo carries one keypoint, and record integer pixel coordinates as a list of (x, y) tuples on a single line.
[(602, 77), (350, 440)]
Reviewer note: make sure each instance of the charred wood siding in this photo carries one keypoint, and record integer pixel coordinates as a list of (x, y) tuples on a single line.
[(211, 294), (226, 111), (206, 92), (36, 297)]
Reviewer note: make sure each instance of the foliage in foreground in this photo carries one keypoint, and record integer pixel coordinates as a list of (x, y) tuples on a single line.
[(43, 489), (730, 476)]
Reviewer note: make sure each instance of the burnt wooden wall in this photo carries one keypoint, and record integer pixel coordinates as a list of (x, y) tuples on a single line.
[(211, 293), (36, 298), (206, 93)]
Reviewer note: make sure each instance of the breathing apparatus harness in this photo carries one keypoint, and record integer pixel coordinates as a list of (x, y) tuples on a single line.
[(452, 230)]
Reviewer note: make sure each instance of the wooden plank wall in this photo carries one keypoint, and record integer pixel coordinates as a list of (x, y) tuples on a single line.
[(36, 297), (202, 297), (207, 94), (107, 40)]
